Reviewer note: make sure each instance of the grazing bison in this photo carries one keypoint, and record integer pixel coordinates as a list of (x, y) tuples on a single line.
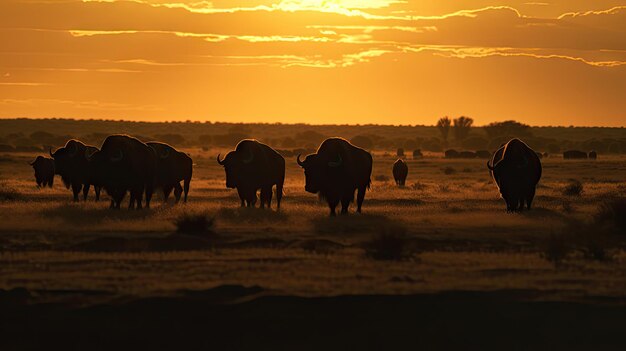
[(336, 171), (593, 155), (400, 171), (253, 166), (400, 152), (417, 153), (516, 170), (173, 167), (125, 164), (574, 154), (484, 154), (44, 171), (451, 153), (71, 163)]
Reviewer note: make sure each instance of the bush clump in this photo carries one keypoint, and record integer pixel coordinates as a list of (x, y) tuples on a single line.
[(390, 245), (194, 223), (574, 188)]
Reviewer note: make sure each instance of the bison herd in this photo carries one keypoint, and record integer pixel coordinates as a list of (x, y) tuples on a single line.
[(335, 172)]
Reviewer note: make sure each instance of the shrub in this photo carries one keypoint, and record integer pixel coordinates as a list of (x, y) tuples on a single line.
[(612, 213), (381, 178), (390, 244), (8, 193), (194, 223), (574, 188), (449, 170), (556, 249), (400, 152)]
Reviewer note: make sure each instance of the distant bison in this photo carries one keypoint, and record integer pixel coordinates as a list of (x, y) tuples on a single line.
[(467, 154), (400, 152), (516, 170), (451, 153), (593, 155), (417, 153), (546, 155), (574, 154), (336, 171), (400, 172), (484, 154), (71, 163), (253, 166), (173, 167), (44, 171), (125, 164)]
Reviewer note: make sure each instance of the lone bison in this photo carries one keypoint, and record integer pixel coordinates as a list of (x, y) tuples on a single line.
[(44, 171), (173, 167), (574, 154), (125, 164), (253, 166), (336, 171), (71, 163), (516, 170), (593, 155), (451, 153), (400, 171), (417, 153)]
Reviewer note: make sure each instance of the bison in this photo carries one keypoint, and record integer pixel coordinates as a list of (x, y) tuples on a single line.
[(574, 154), (173, 167), (451, 153), (400, 171), (516, 170), (71, 163), (336, 171), (44, 171), (417, 153), (484, 154), (593, 155), (254, 166), (125, 164)]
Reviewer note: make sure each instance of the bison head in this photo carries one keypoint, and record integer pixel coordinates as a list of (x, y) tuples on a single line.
[(236, 164), (65, 156), (318, 171)]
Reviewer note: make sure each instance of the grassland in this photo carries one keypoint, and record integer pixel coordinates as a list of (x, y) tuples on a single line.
[(449, 222)]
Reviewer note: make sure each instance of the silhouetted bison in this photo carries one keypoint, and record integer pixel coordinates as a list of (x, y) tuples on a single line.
[(253, 166), (417, 153), (400, 152), (125, 164), (484, 154), (400, 171), (71, 163), (451, 153), (593, 155), (336, 171), (44, 171), (574, 154), (516, 170), (467, 154), (173, 167)]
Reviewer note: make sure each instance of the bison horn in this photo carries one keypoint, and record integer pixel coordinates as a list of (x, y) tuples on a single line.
[(218, 160), (491, 168), (32, 163), (88, 154), (249, 159), (337, 163), (165, 154), (50, 152), (300, 163), (119, 157)]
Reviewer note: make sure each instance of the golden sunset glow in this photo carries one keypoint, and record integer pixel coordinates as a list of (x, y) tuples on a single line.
[(315, 61)]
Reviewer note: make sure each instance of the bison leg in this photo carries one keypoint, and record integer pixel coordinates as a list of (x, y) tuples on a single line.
[(345, 203), (279, 195), (149, 190), (131, 203), (332, 205), (530, 197), (186, 188), (167, 190), (75, 190), (86, 191), (178, 190), (266, 197), (360, 196), (97, 191)]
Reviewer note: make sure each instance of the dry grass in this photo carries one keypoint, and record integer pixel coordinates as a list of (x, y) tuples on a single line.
[(194, 223), (573, 188)]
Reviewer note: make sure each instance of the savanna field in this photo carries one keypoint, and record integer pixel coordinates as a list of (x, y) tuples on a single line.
[(446, 233)]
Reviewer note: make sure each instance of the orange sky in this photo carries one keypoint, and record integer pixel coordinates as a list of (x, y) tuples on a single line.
[(315, 61)]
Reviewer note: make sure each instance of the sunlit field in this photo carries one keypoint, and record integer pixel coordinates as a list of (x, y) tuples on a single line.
[(455, 235)]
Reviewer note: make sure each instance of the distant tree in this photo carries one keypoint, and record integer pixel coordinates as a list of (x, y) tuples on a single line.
[(444, 127), (362, 141), (462, 126), (507, 128), (288, 142)]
